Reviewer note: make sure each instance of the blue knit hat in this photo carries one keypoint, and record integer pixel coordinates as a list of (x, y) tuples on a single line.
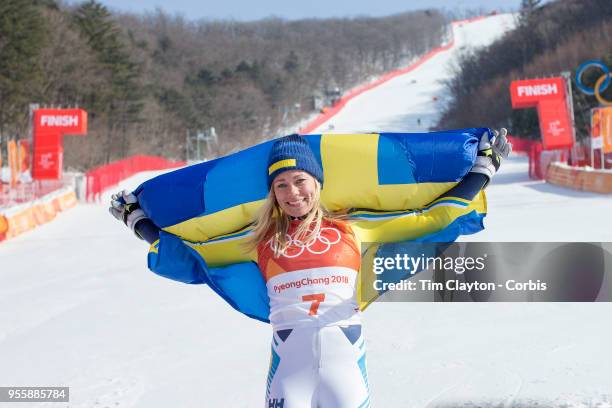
[(292, 153)]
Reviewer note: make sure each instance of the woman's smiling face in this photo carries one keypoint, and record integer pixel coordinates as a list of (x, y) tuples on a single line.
[(295, 192)]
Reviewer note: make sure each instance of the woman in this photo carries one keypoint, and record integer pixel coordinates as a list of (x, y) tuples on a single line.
[(310, 260)]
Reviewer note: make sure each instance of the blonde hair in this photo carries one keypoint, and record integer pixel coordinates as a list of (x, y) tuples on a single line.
[(272, 224)]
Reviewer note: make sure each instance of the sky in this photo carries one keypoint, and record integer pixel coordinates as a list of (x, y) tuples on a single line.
[(246, 10)]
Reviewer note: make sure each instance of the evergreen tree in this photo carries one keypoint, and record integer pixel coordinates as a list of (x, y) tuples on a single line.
[(292, 62), (527, 9), (22, 31), (121, 101)]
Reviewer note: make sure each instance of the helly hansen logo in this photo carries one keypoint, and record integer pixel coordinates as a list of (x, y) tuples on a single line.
[(276, 403), (61, 120)]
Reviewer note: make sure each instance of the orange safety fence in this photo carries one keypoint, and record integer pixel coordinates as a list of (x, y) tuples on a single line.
[(597, 181), (17, 220), (577, 156), (101, 178)]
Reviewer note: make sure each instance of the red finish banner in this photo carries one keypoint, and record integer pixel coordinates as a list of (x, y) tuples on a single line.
[(48, 163), (50, 125), (64, 121), (555, 124), (527, 93), (549, 96)]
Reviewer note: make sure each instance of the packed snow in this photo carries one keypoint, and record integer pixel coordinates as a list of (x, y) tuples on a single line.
[(79, 308)]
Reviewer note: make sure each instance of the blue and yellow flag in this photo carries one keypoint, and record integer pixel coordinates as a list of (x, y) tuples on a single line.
[(389, 183)]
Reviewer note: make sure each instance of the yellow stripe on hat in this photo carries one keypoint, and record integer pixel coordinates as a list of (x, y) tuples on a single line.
[(280, 164)]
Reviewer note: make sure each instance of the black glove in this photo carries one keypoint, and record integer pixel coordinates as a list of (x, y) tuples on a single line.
[(125, 208), (491, 151)]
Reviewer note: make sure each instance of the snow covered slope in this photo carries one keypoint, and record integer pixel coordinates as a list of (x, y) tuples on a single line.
[(79, 308), (398, 104)]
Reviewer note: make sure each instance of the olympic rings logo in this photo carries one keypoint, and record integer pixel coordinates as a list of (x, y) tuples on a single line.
[(296, 247), (600, 85)]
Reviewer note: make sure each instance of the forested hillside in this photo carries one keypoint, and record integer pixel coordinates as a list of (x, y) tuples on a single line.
[(549, 39), (149, 80)]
